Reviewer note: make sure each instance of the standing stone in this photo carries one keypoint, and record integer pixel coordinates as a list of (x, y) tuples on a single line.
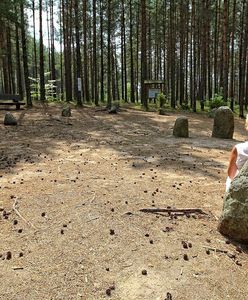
[(223, 123), (181, 127), (234, 219), (9, 119), (66, 112)]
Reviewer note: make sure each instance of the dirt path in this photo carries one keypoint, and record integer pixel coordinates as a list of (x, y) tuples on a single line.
[(80, 184)]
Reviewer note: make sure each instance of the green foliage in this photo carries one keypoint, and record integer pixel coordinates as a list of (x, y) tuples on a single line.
[(216, 101), (185, 106), (7, 10), (50, 88), (161, 100)]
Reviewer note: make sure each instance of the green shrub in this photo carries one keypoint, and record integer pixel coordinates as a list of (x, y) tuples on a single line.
[(185, 106), (50, 88), (161, 99), (216, 101)]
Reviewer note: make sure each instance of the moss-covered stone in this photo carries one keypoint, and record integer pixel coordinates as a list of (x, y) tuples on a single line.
[(234, 219), (181, 127), (9, 119), (223, 123), (66, 112)]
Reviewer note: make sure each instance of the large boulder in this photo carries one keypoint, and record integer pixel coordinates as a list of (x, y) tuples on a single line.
[(66, 112), (223, 123), (234, 219), (181, 127), (9, 119)]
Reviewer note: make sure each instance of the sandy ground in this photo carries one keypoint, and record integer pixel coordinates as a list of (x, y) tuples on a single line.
[(71, 193)]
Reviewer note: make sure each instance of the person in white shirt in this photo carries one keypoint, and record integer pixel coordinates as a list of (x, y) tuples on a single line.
[(238, 157)]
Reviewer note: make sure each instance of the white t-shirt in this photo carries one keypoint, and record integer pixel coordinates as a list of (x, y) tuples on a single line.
[(242, 156)]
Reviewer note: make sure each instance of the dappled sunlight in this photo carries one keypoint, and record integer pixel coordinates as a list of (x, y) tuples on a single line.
[(82, 181)]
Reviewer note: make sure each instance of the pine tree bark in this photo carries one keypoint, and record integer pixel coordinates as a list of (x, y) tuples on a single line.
[(52, 37), (95, 63), (241, 62), (132, 90), (25, 57), (225, 50), (172, 53), (18, 60), (143, 55), (109, 60), (42, 71), (232, 56), (85, 30), (78, 56), (101, 53), (35, 74)]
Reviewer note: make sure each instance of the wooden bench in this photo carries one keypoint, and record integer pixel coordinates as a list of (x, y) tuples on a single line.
[(15, 100)]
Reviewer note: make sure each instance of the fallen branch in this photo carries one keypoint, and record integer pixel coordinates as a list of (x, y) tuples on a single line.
[(174, 210), (17, 212)]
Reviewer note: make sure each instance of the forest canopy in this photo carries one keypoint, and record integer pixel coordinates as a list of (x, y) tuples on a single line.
[(107, 49)]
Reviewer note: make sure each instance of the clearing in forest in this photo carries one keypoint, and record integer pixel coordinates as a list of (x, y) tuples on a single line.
[(71, 194)]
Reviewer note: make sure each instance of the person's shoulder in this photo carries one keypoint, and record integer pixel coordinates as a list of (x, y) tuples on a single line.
[(242, 146)]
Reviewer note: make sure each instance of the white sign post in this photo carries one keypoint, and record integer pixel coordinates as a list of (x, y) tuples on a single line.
[(79, 85), (153, 93)]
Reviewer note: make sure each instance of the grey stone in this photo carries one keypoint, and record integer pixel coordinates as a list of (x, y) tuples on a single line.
[(181, 127), (66, 112), (113, 109), (234, 219), (223, 123), (9, 119)]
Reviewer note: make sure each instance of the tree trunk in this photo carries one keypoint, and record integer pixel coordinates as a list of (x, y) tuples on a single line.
[(232, 56), (25, 58), (42, 75), (225, 51), (109, 77), (143, 55), (78, 56), (95, 68), (132, 91), (85, 30)]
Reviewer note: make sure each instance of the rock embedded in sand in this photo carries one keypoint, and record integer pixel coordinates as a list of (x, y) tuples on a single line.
[(66, 112), (9, 119), (223, 123), (234, 219), (181, 127)]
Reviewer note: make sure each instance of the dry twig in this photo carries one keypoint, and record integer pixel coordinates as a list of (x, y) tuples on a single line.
[(174, 210), (17, 212)]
